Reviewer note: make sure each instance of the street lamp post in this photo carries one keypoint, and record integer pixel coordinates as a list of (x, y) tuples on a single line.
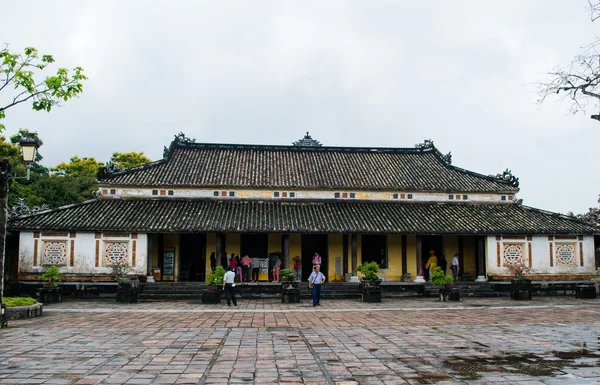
[(29, 146)]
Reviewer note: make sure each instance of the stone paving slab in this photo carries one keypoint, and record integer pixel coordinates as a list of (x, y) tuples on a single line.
[(554, 340)]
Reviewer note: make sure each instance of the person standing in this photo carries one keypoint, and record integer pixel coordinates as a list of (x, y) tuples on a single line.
[(316, 261), (443, 264), (213, 261), (298, 267), (454, 266), (431, 262), (239, 268), (229, 286), (255, 268), (315, 282), (276, 269), (246, 267)]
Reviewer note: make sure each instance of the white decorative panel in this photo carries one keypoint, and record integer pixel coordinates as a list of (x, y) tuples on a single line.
[(54, 253), (565, 255), (513, 253), (116, 252)]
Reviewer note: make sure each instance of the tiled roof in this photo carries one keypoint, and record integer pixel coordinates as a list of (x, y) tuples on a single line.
[(200, 215), (291, 167)]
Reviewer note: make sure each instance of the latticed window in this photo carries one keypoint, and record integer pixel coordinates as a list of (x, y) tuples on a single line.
[(514, 253), (116, 252), (54, 253), (565, 255)]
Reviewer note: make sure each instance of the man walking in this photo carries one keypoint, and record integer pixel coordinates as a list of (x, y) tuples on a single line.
[(228, 286), (315, 281), (454, 266)]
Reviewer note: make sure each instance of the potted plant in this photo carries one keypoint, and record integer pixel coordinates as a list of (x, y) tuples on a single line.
[(128, 285), (370, 284), (520, 284), (445, 282), (214, 283), (290, 288), (50, 292)]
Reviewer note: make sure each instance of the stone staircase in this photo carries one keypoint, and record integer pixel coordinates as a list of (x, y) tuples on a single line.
[(165, 291)]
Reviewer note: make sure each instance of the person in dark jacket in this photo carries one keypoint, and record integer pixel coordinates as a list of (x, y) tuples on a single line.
[(442, 263)]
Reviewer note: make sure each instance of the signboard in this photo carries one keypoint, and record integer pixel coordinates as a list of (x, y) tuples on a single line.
[(263, 266)]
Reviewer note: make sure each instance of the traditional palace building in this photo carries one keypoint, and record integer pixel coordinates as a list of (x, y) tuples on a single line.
[(350, 204)]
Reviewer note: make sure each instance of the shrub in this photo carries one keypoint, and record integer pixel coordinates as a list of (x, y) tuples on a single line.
[(52, 274), (370, 270), (439, 278), (216, 278), (121, 269), (18, 301), (286, 275)]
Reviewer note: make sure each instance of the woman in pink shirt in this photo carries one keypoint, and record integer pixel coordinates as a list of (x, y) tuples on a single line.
[(316, 259)]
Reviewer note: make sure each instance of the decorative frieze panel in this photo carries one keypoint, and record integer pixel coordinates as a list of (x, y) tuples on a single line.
[(115, 252), (54, 253), (566, 255)]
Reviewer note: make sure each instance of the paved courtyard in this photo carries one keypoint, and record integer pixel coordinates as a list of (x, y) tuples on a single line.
[(550, 340)]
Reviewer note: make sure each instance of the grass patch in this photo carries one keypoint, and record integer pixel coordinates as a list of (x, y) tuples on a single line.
[(18, 301)]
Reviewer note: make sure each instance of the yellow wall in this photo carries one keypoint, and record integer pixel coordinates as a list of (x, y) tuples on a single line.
[(450, 247), (274, 243), (335, 249), (232, 243), (295, 248), (394, 251), (211, 247), (469, 246)]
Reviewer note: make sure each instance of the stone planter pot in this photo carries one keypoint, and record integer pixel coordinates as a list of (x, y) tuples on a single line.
[(211, 298), (449, 294), (290, 292), (22, 312), (48, 295), (520, 289), (585, 292), (127, 291), (370, 290)]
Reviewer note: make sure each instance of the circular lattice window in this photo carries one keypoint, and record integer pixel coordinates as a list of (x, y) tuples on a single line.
[(115, 252), (565, 255), (513, 254), (54, 253)]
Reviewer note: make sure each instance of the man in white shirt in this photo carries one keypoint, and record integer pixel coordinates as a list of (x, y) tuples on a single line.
[(454, 266), (228, 286), (315, 281)]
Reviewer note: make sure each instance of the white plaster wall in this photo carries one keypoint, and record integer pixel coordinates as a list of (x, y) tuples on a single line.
[(307, 194), (85, 253), (541, 256)]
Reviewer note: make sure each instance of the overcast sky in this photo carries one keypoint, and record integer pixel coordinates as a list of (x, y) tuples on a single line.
[(353, 73)]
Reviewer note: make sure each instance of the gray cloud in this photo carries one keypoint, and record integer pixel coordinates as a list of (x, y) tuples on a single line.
[(351, 73)]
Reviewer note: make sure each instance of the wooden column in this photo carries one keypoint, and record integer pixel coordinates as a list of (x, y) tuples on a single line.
[(219, 249), (419, 248), (161, 257), (345, 253), (285, 239), (461, 258), (404, 257), (150, 250), (354, 240), (481, 258)]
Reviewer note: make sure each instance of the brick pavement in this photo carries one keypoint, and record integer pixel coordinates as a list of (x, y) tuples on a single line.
[(550, 340)]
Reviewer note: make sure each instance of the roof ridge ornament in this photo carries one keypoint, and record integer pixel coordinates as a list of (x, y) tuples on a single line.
[(21, 209), (447, 158), (181, 138), (307, 141), (508, 177), (427, 143)]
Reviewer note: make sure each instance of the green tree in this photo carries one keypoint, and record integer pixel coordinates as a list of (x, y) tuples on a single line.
[(79, 167), (21, 74), (125, 160)]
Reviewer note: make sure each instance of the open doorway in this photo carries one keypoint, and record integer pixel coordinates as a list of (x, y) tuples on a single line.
[(193, 257), (312, 243)]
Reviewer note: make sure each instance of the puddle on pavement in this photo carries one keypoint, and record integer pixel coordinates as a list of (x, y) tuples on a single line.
[(549, 365)]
